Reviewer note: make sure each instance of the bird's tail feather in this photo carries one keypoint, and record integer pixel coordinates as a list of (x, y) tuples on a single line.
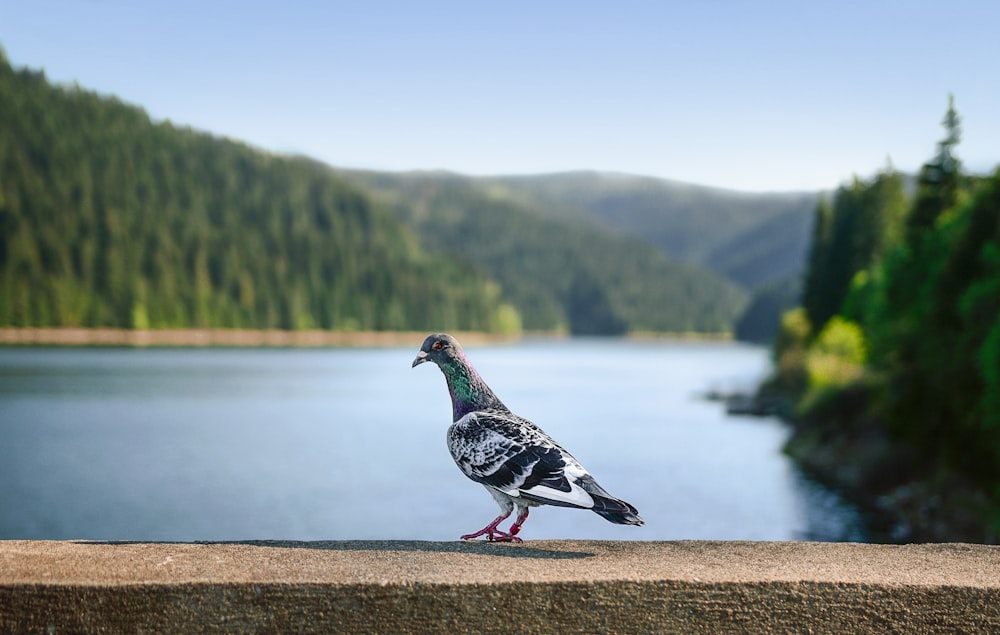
[(611, 508), (617, 511)]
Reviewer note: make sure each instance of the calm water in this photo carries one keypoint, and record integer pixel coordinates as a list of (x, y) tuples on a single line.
[(194, 444)]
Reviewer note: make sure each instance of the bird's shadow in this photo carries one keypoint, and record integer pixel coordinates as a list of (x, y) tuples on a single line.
[(482, 548)]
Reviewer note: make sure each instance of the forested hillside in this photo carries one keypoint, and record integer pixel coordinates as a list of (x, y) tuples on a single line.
[(756, 240), (111, 219), (892, 364), (731, 233), (767, 253), (108, 219), (561, 273)]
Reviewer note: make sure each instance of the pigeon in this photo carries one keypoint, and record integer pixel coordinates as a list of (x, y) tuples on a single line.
[(517, 463)]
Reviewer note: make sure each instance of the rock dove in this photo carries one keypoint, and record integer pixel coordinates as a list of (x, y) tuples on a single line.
[(511, 457)]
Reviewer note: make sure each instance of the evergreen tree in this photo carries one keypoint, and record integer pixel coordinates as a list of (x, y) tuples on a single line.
[(904, 310), (816, 295), (938, 181), (848, 238)]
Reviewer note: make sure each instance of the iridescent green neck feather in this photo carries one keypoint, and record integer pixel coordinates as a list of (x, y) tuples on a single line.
[(468, 390)]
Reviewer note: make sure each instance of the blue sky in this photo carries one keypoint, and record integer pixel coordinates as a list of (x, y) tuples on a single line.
[(745, 95)]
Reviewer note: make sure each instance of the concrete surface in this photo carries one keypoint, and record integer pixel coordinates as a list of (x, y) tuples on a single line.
[(536, 587)]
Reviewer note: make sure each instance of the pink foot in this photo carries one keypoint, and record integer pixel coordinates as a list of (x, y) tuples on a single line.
[(493, 536), (490, 531), (497, 535), (502, 537)]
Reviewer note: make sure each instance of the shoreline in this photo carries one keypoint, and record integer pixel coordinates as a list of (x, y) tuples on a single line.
[(220, 337), (252, 338), (903, 497)]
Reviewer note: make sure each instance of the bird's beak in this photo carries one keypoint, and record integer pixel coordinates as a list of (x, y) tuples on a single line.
[(421, 358)]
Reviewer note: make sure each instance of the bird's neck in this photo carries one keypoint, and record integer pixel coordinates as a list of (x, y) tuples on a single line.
[(469, 392)]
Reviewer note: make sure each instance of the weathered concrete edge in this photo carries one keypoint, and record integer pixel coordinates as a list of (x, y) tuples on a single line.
[(529, 607), (554, 586)]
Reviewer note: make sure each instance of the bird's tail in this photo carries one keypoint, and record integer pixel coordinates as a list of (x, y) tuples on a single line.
[(613, 509)]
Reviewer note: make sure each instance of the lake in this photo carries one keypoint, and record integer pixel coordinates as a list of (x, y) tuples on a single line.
[(337, 444)]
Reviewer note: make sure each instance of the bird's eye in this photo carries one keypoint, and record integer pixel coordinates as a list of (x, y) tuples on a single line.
[(437, 346)]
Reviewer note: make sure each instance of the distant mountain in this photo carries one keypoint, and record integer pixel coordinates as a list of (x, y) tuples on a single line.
[(750, 238), (756, 241), (770, 251), (560, 271)]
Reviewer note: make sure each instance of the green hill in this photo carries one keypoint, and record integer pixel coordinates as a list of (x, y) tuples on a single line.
[(560, 272), (109, 219), (758, 241)]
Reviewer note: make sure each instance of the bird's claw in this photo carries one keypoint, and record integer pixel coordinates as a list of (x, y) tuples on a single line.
[(493, 536), (502, 537)]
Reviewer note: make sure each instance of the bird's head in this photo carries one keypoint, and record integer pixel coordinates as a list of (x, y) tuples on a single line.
[(440, 348)]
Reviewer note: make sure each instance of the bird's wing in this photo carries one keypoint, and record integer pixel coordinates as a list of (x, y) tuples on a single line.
[(508, 453)]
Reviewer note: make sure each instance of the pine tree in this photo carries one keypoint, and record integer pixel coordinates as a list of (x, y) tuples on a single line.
[(938, 183), (815, 295)]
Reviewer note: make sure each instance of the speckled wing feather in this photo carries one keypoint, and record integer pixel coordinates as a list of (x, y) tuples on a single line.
[(504, 451)]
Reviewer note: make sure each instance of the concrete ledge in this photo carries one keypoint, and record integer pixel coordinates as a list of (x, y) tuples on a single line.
[(537, 587)]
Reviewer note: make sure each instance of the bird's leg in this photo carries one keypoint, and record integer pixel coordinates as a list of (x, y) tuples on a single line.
[(492, 533), (522, 515)]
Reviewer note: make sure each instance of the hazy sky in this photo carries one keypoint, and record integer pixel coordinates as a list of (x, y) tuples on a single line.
[(747, 95)]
